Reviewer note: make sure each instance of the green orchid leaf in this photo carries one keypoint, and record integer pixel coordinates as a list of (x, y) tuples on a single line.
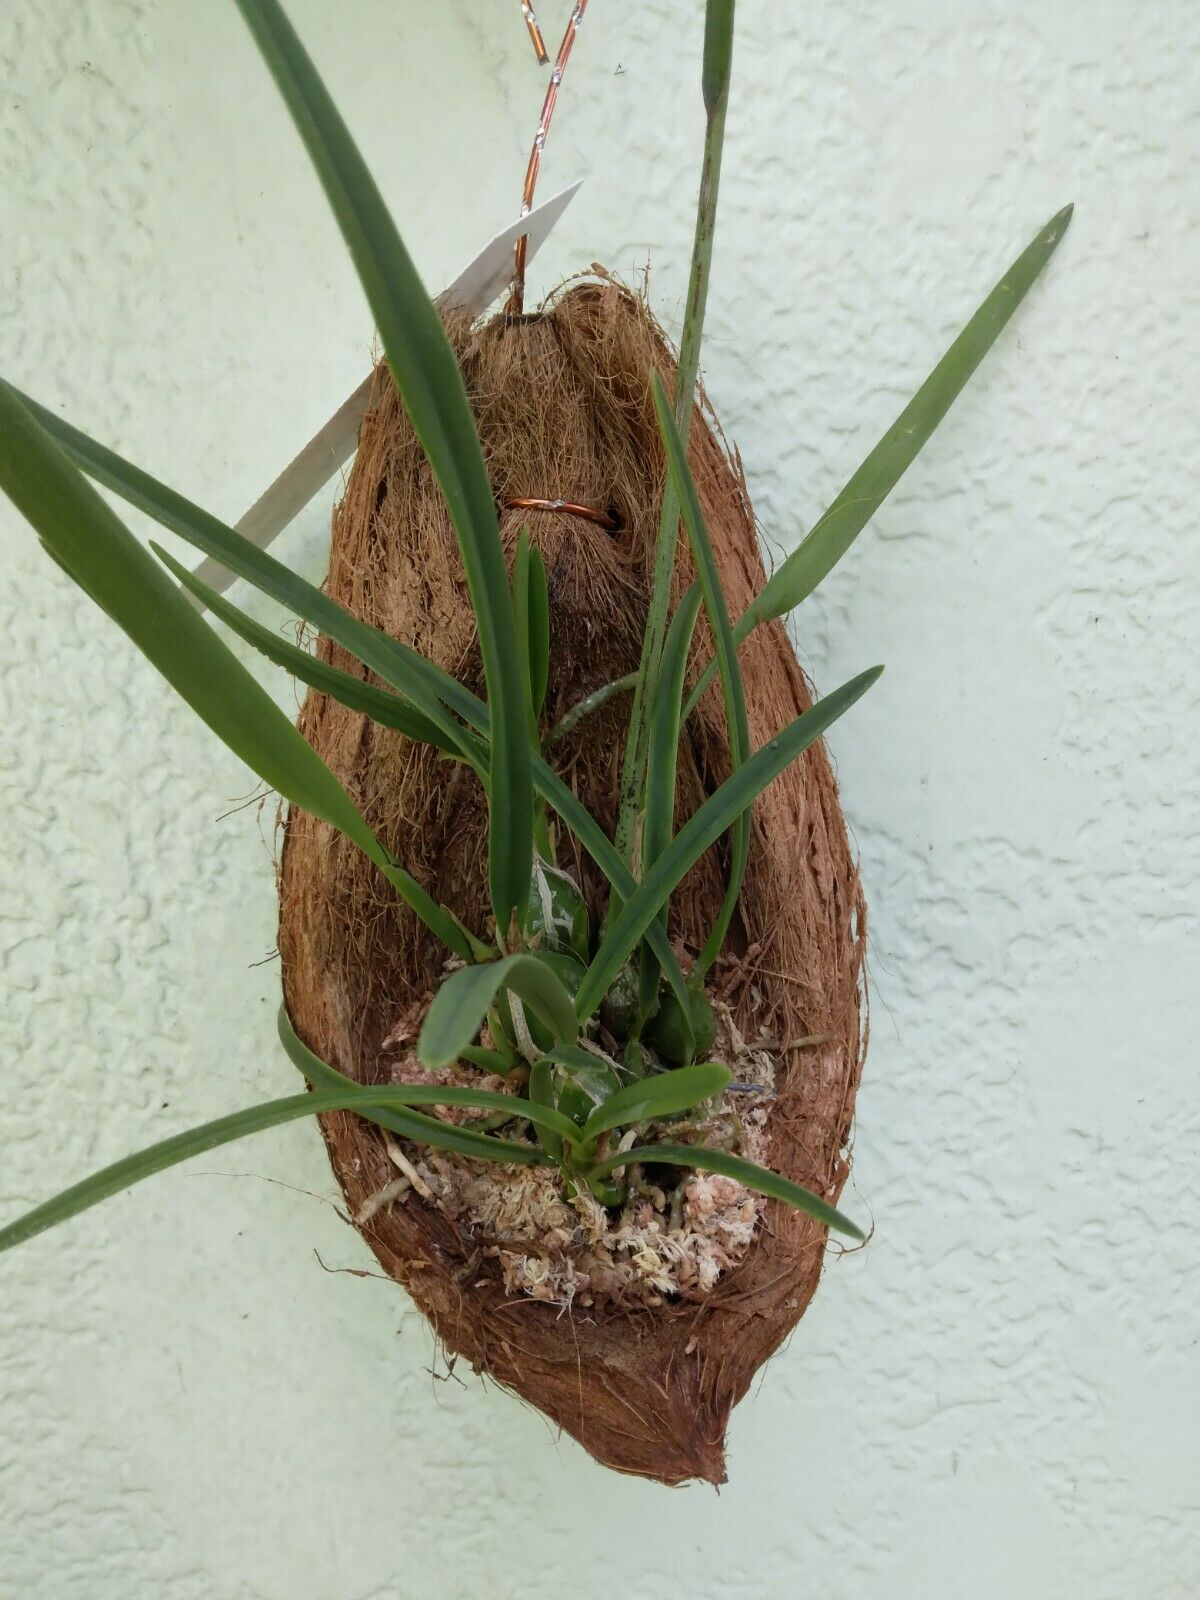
[(663, 749), (480, 949), (434, 692), (737, 725), (718, 56), (430, 690), (761, 1179), (590, 702), (541, 1093), (487, 1060), (867, 489), (664, 1095), (373, 1104), (531, 611), (539, 630), (703, 828), (718, 53), (603, 852), (321, 1075), (520, 603), (413, 1125), (92, 544), (462, 1002), (431, 386), (381, 705), (662, 753)]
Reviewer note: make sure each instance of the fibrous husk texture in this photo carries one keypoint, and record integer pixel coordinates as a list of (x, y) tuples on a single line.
[(563, 405)]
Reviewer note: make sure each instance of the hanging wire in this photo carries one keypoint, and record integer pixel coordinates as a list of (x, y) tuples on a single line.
[(516, 303), (572, 508), (535, 33)]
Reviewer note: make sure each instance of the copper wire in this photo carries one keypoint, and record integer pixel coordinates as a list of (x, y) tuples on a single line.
[(572, 508), (516, 303), (535, 33)]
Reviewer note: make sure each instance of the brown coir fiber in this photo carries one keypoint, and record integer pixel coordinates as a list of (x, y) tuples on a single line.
[(563, 405)]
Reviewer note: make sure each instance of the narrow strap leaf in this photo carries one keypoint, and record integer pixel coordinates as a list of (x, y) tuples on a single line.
[(412, 1125), (736, 722), (462, 1002), (590, 702), (381, 705), (431, 386), (486, 1060), (320, 1074), (539, 631), (749, 1173), (436, 918), (664, 1095), (368, 1103), (717, 58), (432, 690), (520, 602), (718, 53), (661, 762), (663, 753), (603, 852), (94, 546), (541, 1092), (706, 825), (891, 458)]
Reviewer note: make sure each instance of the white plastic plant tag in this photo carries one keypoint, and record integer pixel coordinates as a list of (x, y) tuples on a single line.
[(335, 441)]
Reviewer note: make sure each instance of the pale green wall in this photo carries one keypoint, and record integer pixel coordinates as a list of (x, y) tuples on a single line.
[(998, 1396)]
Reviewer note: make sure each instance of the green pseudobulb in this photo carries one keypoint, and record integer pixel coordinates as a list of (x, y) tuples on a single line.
[(582, 1088), (556, 917), (668, 1032), (568, 969), (619, 1008)]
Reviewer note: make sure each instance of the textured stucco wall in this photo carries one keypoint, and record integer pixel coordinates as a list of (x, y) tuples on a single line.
[(998, 1396)]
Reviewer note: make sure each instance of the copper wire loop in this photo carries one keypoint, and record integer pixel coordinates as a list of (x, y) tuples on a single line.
[(516, 303), (602, 519), (535, 33)]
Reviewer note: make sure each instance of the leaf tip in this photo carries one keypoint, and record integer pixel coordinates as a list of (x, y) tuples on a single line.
[(431, 1059), (430, 1054), (1057, 226)]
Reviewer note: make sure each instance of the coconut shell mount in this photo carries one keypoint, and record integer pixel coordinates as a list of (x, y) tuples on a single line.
[(563, 406)]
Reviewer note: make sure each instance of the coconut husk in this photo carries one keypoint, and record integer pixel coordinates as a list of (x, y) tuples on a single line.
[(563, 406)]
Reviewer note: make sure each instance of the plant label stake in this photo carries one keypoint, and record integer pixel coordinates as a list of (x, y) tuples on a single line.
[(335, 441)]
